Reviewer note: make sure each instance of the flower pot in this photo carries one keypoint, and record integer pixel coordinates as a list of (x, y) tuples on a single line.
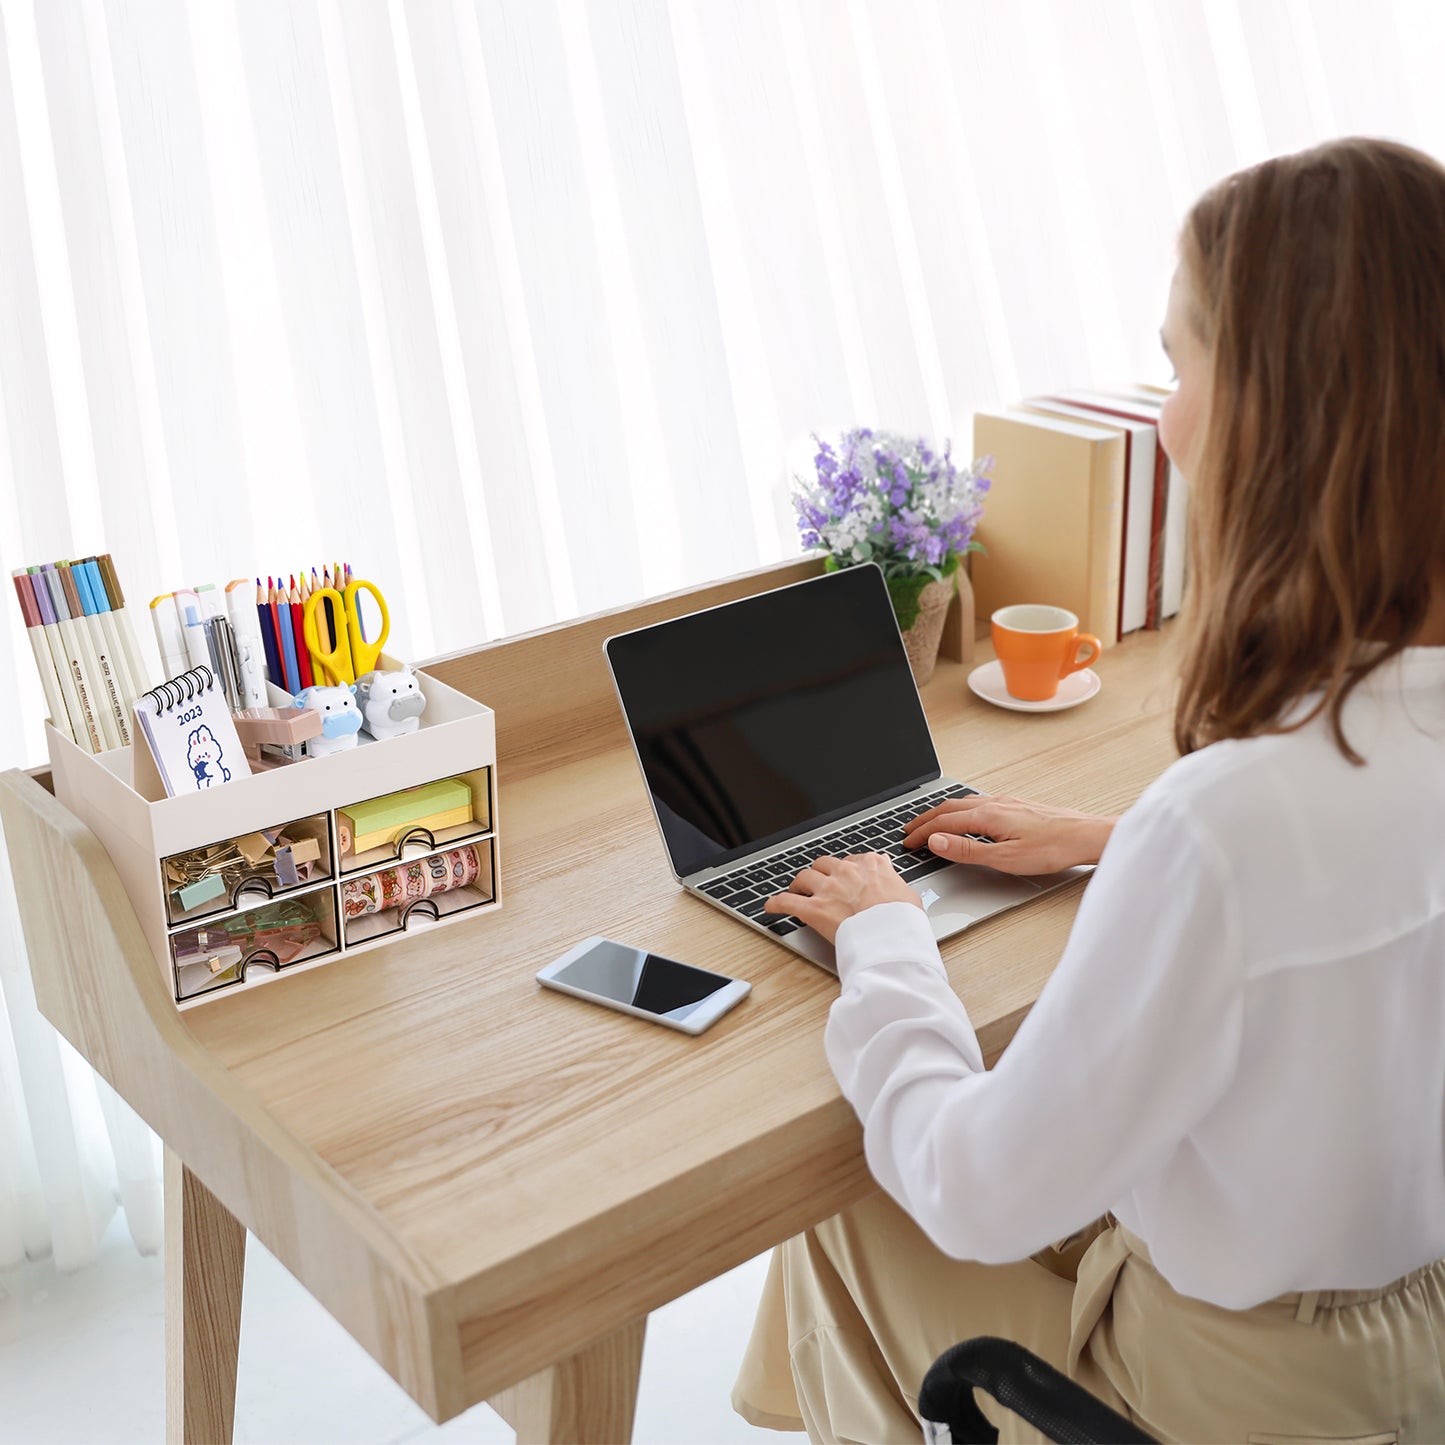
[(922, 637)]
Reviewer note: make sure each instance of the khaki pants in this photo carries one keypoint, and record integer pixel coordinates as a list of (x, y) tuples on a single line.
[(855, 1311)]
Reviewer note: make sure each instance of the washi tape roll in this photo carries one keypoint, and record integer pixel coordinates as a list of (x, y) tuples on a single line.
[(407, 882)]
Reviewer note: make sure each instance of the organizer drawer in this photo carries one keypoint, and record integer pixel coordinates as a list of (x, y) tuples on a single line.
[(206, 943), (204, 882), (374, 832), (223, 952), (440, 885)]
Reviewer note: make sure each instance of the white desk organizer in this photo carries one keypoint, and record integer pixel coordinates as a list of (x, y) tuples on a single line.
[(120, 798)]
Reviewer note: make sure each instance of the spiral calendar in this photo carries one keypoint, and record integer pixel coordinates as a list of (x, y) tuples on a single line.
[(190, 732)]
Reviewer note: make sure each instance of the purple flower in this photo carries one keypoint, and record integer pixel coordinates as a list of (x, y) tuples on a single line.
[(892, 499)]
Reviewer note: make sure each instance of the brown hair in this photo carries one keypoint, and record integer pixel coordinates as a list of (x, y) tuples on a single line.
[(1318, 512)]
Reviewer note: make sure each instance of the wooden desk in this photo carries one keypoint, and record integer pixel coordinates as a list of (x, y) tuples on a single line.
[(491, 1186)]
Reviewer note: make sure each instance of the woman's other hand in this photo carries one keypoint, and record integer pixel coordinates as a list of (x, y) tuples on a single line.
[(834, 889), (1027, 837)]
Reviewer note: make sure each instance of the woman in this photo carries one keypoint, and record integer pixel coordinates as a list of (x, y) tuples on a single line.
[(1229, 1102)]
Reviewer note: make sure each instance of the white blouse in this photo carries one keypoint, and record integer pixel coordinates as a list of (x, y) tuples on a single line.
[(1241, 1053)]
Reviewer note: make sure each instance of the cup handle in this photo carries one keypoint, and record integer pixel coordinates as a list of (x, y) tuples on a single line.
[(1096, 651)]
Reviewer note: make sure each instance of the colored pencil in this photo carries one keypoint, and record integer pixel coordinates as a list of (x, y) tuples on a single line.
[(288, 639), (269, 641), (330, 609), (298, 628), (360, 616)]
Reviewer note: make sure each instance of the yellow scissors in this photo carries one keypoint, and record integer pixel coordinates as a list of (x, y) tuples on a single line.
[(353, 656)]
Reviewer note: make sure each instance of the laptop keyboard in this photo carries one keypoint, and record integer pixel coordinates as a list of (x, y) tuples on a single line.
[(748, 888)]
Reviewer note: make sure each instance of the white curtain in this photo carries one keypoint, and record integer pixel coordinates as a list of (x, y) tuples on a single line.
[(525, 307)]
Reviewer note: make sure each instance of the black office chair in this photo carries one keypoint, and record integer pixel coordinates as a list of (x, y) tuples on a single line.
[(1051, 1402)]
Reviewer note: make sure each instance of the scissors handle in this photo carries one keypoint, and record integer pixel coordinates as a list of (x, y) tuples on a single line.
[(363, 653), (334, 663)]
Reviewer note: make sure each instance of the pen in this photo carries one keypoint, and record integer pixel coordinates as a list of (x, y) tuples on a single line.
[(223, 657), (266, 622), (74, 658), (44, 658)]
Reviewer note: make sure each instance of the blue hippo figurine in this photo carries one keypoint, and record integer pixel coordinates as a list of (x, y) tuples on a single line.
[(340, 718)]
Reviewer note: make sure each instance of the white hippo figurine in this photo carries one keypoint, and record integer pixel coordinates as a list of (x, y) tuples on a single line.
[(391, 703), (340, 718)]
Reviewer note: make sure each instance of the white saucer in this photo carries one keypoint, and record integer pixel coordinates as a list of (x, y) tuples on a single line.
[(1077, 687)]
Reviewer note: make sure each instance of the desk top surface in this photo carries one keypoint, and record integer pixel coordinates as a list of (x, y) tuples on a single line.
[(505, 1131)]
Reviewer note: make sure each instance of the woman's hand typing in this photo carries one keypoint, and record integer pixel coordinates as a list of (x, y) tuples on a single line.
[(834, 889), (1027, 837)]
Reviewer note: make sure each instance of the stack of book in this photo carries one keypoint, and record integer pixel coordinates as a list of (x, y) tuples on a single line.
[(1086, 511)]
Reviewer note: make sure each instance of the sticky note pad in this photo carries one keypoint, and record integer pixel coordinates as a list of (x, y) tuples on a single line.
[(379, 820)]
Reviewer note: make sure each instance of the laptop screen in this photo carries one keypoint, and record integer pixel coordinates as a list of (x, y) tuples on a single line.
[(763, 717)]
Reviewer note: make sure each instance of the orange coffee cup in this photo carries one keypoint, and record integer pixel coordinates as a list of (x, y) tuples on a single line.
[(1039, 647)]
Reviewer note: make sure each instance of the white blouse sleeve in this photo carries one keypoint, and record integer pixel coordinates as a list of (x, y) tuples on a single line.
[(1130, 1043)]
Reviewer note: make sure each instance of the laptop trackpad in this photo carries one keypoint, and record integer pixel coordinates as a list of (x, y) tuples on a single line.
[(956, 897)]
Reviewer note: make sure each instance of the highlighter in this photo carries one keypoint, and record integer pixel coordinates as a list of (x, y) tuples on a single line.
[(169, 637)]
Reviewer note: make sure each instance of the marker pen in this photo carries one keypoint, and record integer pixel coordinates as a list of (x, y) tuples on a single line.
[(108, 660), (90, 710), (50, 675)]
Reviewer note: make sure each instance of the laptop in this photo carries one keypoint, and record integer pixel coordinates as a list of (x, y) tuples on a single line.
[(787, 725)]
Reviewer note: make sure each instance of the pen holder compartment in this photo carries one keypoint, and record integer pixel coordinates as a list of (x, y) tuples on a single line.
[(229, 951), (393, 828), (433, 888), (253, 867)]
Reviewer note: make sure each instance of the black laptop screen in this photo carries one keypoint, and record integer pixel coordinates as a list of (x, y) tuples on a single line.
[(763, 717)]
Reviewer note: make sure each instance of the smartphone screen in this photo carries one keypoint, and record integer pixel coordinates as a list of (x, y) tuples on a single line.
[(643, 980)]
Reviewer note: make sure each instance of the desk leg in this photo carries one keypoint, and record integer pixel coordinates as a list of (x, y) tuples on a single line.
[(205, 1260), (587, 1399)]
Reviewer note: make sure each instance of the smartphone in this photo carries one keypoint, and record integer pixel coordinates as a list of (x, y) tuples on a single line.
[(644, 984)]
